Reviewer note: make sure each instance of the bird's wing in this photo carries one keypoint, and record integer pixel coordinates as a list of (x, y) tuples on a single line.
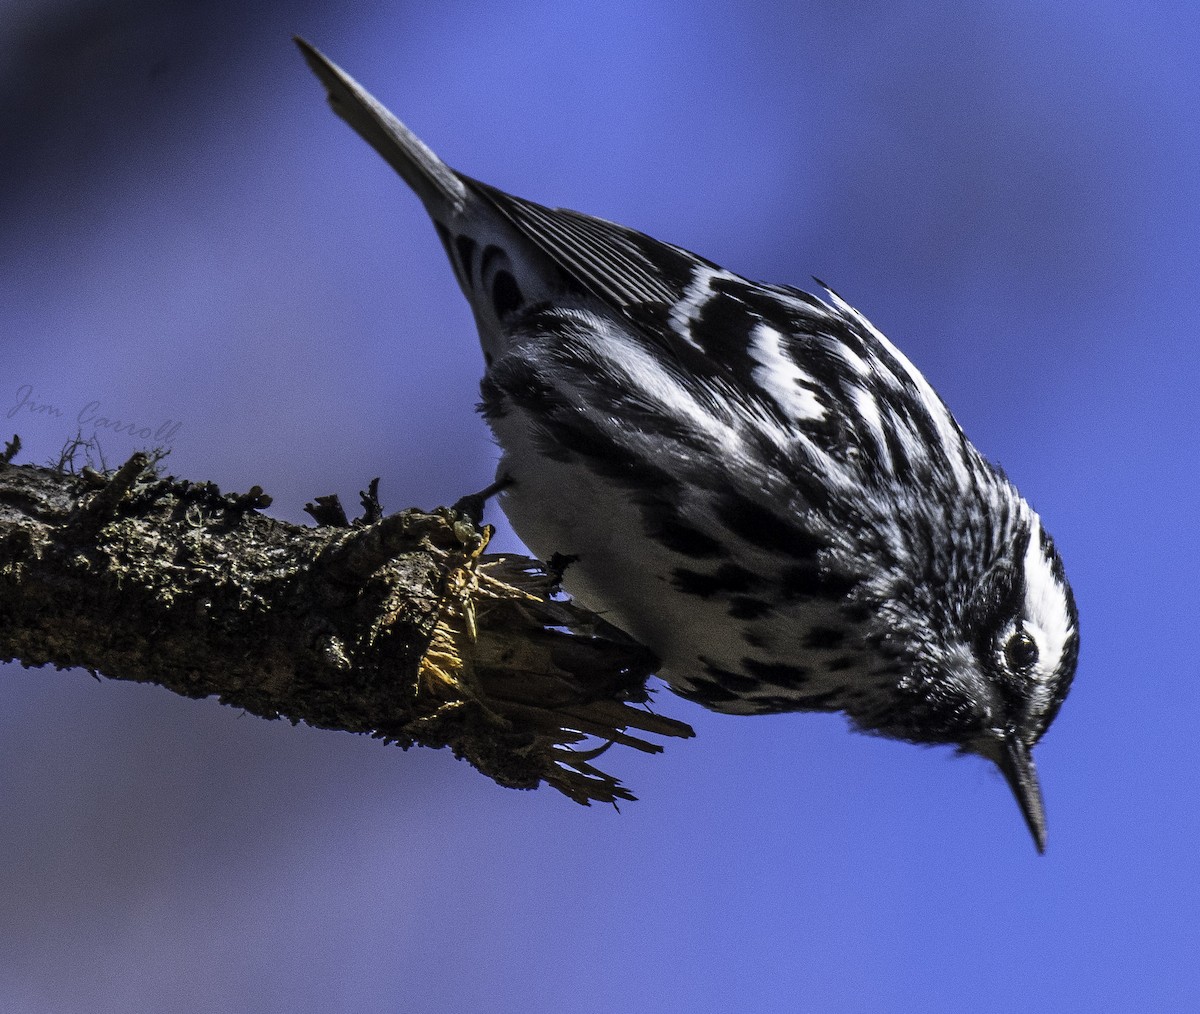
[(620, 266)]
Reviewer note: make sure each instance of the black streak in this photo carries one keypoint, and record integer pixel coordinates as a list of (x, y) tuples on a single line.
[(506, 294), (824, 638), (466, 248), (762, 527), (727, 578), (780, 674)]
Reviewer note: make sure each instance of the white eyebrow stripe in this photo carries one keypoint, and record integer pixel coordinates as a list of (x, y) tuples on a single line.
[(1047, 617)]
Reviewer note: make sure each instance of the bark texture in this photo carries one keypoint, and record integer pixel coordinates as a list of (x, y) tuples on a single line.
[(401, 627)]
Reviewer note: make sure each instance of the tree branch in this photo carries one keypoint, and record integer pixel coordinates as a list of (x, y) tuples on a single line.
[(400, 627)]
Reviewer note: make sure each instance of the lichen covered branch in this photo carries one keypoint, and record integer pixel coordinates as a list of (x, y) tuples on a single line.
[(401, 627)]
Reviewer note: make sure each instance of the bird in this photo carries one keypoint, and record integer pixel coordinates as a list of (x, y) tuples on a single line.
[(749, 479)]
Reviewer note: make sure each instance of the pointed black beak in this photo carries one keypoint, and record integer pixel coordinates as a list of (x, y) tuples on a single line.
[(1015, 760)]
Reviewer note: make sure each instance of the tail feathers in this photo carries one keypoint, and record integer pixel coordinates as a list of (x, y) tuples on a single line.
[(438, 186)]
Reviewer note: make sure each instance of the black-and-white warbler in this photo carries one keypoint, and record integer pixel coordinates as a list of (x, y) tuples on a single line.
[(751, 480)]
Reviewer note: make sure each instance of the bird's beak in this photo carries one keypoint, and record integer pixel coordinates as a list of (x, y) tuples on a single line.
[(1016, 762)]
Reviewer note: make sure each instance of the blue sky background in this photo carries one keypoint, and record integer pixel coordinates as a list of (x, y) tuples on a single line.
[(188, 235)]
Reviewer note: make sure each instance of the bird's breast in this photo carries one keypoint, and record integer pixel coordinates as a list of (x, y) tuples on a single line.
[(737, 631)]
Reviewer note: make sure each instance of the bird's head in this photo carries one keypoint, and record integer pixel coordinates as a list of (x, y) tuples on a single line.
[(984, 646)]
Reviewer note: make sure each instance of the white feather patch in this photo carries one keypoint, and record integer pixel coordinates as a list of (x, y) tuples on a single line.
[(778, 375), (948, 433), (868, 410), (623, 353), (697, 293)]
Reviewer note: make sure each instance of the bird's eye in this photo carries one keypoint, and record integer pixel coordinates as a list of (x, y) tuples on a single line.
[(1021, 652)]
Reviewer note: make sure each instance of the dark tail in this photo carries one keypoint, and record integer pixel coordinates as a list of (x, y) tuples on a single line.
[(435, 183)]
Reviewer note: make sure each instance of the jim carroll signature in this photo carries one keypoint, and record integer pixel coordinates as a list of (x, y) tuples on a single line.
[(91, 417)]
